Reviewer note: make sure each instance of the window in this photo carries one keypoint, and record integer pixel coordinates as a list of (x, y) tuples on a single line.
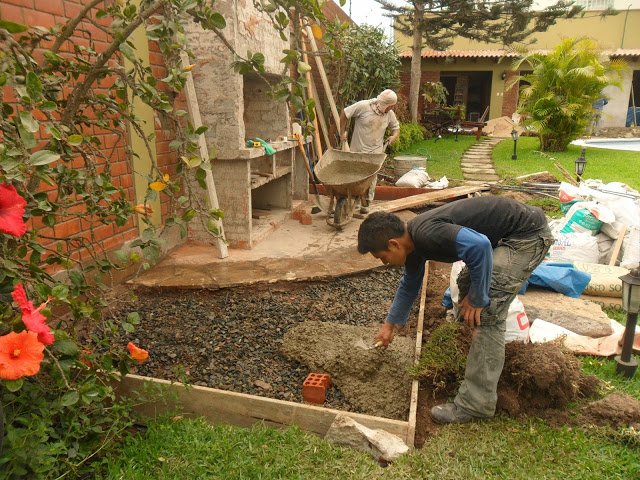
[(595, 4)]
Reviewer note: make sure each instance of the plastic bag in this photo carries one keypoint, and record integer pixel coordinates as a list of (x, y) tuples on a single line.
[(416, 178), (631, 248)]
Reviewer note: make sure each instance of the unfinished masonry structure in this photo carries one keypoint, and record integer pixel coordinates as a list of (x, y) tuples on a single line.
[(236, 108)]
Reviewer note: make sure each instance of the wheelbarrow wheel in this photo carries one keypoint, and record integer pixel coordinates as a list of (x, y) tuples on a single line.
[(341, 213)]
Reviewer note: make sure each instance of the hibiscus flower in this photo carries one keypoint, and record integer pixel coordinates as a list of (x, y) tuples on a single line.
[(11, 211), (20, 355), (31, 315), (136, 353)]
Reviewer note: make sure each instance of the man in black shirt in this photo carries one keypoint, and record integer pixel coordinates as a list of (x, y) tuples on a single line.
[(501, 242)]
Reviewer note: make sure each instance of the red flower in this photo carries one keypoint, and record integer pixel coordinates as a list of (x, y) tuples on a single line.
[(20, 355), (31, 315), (138, 354), (11, 211)]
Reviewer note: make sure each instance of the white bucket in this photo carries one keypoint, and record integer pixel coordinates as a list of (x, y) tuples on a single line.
[(403, 163)]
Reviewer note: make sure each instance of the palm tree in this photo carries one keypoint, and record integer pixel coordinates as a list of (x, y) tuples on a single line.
[(558, 96)]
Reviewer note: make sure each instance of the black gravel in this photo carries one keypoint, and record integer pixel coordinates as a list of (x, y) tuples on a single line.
[(229, 339)]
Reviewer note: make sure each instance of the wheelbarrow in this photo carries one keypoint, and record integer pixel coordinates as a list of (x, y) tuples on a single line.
[(347, 177)]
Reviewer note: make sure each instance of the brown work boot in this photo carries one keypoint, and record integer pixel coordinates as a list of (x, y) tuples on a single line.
[(450, 413)]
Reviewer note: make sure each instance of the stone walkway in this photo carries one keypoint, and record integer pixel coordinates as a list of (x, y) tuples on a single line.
[(477, 164)]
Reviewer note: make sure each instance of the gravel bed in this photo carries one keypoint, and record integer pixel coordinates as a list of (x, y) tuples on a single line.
[(229, 339)]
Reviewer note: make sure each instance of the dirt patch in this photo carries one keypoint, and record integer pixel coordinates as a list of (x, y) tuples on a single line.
[(616, 410), (542, 178), (370, 379)]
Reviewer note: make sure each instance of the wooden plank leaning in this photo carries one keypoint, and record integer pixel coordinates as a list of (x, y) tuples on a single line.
[(323, 76), (196, 120)]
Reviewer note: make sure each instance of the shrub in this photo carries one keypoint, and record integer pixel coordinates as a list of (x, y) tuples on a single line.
[(410, 133)]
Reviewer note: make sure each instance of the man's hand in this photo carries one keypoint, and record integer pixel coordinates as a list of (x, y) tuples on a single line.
[(385, 335), (469, 313)]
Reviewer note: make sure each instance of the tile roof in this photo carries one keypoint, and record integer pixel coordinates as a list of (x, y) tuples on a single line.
[(619, 52)]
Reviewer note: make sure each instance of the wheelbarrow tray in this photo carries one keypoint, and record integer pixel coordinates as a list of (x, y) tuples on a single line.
[(346, 173)]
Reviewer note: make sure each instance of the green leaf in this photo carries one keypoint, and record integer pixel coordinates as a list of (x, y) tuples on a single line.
[(134, 317), (188, 215), (34, 86), (212, 226), (128, 52), (12, 27), (74, 140), (127, 327), (14, 385), (43, 157), (76, 278), (70, 398), (66, 347), (29, 123)]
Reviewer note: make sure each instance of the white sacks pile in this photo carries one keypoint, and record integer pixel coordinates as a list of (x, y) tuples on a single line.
[(593, 221)]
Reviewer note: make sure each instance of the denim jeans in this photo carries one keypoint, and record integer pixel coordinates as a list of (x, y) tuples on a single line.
[(513, 261)]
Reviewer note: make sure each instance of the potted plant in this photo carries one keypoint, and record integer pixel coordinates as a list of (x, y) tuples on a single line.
[(434, 94)]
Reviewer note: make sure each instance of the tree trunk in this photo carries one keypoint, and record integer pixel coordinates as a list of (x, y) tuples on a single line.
[(416, 62)]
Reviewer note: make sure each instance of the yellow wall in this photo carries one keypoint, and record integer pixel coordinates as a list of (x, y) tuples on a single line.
[(143, 162), (608, 32)]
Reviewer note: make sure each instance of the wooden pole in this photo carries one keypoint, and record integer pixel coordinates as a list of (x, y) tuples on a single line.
[(196, 120), (312, 95), (323, 76)]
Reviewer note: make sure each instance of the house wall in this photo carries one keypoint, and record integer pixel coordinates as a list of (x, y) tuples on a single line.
[(115, 146), (617, 31)]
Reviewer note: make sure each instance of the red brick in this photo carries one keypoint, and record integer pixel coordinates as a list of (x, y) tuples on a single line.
[(66, 229), (298, 212), (21, 3), (314, 388), (51, 6), (306, 219), (35, 18), (12, 13)]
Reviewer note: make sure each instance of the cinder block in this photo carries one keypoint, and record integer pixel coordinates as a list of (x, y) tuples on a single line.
[(306, 219), (314, 388)]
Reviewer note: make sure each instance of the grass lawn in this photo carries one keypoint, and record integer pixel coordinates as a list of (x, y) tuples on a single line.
[(443, 158), (606, 165)]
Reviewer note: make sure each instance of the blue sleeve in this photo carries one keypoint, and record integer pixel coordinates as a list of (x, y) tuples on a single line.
[(406, 294), (476, 251)]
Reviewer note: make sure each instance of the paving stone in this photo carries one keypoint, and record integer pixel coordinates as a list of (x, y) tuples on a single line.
[(484, 176), (478, 170)]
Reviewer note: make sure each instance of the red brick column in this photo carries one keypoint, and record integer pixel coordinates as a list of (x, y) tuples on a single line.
[(510, 99)]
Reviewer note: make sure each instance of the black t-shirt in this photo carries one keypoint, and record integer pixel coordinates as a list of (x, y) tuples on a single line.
[(434, 232)]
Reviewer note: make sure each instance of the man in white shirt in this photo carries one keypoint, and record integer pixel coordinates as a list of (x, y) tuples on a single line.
[(372, 118)]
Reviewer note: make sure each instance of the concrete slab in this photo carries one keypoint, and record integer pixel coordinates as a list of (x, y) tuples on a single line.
[(291, 252)]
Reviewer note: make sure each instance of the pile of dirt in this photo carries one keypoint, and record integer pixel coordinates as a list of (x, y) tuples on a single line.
[(615, 410), (371, 379), (542, 178), (537, 377)]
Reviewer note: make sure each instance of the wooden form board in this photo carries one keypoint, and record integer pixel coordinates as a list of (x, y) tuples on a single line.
[(415, 385), (240, 409), (430, 197)]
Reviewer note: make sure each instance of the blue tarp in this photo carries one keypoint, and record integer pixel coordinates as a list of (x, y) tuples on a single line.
[(560, 277)]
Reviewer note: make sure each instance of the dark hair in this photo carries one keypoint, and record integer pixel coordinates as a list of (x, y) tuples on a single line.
[(377, 229)]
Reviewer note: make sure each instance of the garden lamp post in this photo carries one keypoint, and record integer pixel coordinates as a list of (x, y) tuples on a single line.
[(514, 135), (631, 303), (457, 127), (581, 163)]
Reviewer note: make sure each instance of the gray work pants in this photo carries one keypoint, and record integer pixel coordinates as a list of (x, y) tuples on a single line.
[(513, 261)]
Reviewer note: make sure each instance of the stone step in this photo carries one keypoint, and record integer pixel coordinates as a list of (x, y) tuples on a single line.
[(480, 171), (475, 182), (477, 160), (480, 176)]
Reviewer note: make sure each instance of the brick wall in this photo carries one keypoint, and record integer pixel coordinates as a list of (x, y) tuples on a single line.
[(510, 99), (116, 157)]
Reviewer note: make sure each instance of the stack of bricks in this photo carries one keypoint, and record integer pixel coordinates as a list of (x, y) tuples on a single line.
[(314, 388), (302, 216)]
